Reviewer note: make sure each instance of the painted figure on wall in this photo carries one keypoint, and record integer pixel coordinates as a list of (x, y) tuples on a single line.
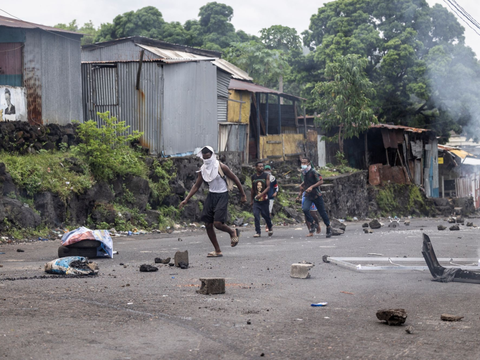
[(10, 109)]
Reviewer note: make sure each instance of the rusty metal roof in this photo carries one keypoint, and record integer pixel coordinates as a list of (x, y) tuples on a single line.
[(235, 71), (174, 56), (15, 23), (400, 127), (247, 86)]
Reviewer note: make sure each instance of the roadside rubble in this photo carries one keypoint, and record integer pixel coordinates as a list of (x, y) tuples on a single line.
[(74, 265), (392, 316)]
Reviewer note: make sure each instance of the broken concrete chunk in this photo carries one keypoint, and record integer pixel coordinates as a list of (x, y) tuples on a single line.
[(334, 223), (441, 227), (392, 316), (460, 220), (300, 271), (337, 232), (181, 256), (409, 330), (212, 286), (148, 268), (448, 317), (469, 224), (375, 224), (454, 227), (367, 231), (162, 261), (452, 220), (407, 222)]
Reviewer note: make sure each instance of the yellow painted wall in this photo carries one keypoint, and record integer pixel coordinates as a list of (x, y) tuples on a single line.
[(234, 107), (281, 146)]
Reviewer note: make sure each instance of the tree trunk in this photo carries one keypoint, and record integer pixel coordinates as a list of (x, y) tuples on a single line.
[(340, 139)]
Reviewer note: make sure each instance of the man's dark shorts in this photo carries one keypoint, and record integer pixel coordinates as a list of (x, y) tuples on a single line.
[(215, 208)]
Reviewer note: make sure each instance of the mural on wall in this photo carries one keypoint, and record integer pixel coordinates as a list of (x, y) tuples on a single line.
[(13, 103)]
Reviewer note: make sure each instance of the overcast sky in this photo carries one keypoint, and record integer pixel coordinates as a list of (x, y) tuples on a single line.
[(249, 15)]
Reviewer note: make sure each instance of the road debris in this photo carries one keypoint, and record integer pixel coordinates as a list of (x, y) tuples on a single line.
[(73, 265), (443, 274), (319, 304), (454, 227), (300, 270), (148, 268), (375, 224), (392, 316), (409, 330), (162, 261), (448, 317), (181, 256), (441, 227), (212, 286)]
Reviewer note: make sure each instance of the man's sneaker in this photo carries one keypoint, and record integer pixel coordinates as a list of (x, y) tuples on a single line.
[(257, 235), (270, 232), (329, 231)]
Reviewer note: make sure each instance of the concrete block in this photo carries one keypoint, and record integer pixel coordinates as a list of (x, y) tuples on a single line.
[(300, 271), (181, 256), (212, 286)]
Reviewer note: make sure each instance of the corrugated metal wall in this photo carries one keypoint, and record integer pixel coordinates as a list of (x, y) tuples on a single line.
[(190, 110), (52, 77), (223, 80), (112, 87), (126, 51), (232, 137)]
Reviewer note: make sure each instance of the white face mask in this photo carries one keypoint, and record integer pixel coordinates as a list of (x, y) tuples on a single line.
[(304, 167), (208, 161)]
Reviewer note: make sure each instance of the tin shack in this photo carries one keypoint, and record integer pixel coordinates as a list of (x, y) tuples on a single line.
[(176, 95), (40, 79)]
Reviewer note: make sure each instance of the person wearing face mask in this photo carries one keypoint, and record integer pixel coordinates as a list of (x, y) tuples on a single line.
[(311, 181), (214, 212)]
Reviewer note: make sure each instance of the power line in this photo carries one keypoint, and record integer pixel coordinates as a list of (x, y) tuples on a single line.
[(463, 15), (48, 31)]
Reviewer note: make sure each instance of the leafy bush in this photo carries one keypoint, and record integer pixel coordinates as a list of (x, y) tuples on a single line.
[(107, 149), (47, 171)]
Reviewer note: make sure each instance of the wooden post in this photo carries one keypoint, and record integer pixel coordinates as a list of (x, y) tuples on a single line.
[(279, 115), (366, 149), (443, 187), (266, 114), (295, 114), (304, 122), (258, 125)]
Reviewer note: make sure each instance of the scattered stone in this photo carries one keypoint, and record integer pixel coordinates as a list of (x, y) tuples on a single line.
[(334, 223), (212, 286), (441, 227), (367, 231), (20, 250), (392, 316), (183, 265), (409, 330), (337, 232), (181, 256), (300, 271), (460, 220), (171, 264), (375, 224), (407, 222), (148, 268), (365, 225), (451, 220), (238, 222), (249, 322), (162, 261), (469, 224), (448, 317), (454, 227)]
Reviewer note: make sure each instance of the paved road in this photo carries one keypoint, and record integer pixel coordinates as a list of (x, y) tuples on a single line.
[(125, 314)]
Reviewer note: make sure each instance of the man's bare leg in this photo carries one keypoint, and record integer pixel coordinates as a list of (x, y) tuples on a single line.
[(213, 237)]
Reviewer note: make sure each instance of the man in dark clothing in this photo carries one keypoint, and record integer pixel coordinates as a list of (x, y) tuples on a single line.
[(214, 212), (260, 187), (311, 181)]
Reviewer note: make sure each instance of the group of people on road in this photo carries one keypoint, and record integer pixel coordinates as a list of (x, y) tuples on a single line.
[(263, 194)]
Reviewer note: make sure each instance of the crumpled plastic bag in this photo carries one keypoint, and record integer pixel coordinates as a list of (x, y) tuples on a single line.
[(72, 265)]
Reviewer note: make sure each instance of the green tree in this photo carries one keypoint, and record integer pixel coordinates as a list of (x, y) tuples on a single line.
[(345, 100), (147, 21), (216, 27), (399, 38)]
